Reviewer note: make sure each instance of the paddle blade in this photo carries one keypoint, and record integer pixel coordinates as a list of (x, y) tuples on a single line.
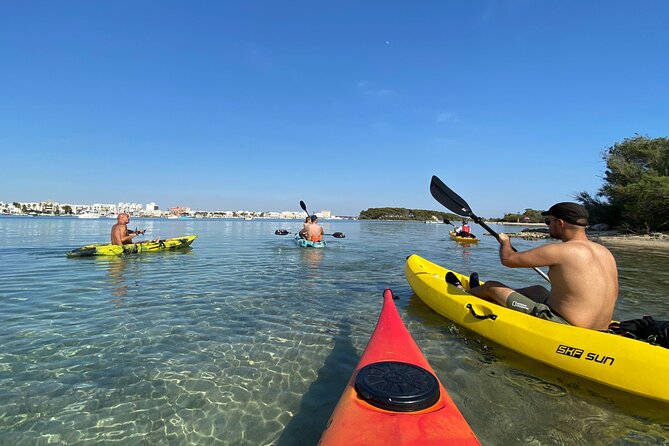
[(446, 222), (281, 232), (303, 206), (338, 235), (449, 199)]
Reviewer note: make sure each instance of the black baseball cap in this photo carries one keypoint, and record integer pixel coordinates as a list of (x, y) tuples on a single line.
[(570, 212)]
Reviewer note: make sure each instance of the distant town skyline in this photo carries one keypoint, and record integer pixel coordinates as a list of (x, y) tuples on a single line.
[(148, 209)]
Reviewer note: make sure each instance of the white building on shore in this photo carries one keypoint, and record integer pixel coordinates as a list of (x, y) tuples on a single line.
[(102, 209)]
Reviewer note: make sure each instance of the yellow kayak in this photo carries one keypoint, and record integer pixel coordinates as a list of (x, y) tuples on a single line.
[(133, 248), (626, 364), (458, 238)]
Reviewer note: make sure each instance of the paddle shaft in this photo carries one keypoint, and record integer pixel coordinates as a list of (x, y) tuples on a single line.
[(496, 235), (334, 234)]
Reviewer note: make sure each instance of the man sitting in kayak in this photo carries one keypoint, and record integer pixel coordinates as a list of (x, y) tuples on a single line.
[(314, 231), (120, 235), (584, 274)]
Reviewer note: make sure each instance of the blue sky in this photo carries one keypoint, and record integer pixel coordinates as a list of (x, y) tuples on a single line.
[(345, 105)]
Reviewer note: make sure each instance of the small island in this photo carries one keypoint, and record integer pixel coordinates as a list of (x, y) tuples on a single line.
[(406, 214)]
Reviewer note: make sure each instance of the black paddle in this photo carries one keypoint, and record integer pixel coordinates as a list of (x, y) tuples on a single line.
[(304, 207), (455, 203)]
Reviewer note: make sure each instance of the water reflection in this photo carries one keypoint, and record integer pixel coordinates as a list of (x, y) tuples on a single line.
[(116, 275), (466, 254), (312, 257)]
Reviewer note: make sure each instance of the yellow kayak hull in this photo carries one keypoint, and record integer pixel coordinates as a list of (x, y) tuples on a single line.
[(133, 248), (457, 238), (622, 363)]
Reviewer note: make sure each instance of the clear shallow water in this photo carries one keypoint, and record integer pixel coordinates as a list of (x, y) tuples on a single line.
[(247, 339)]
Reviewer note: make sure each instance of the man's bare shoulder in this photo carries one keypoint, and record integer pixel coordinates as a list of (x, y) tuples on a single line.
[(585, 249), (584, 243)]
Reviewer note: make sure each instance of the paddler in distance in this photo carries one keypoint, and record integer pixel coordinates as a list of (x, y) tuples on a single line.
[(465, 230), (120, 235), (584, 274), (314, 231)]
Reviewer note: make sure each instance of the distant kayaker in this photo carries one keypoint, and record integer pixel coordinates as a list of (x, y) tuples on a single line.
[(465, 230), (314, 231), (584, 274), (120, 235)]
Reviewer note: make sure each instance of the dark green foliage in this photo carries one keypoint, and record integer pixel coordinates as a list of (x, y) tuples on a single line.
[(600, 211), (512, 217), (645, 204), (530, 216), (635, 194), (406, 214)]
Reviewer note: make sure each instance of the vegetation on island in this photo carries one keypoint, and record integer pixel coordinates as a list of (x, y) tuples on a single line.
[(635, 193), (406, 214), (529, 216)]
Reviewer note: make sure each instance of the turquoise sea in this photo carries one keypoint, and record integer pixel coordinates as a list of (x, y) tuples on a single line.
[(247, 339)]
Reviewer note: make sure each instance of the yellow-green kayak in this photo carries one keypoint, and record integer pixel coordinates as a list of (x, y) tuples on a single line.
[(626, 364), (133, 248)]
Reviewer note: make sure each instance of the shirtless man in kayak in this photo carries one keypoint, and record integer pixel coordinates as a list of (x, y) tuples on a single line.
[(314, 231), (584, 274), (119, 232)]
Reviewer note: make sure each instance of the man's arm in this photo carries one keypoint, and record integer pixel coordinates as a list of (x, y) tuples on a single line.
[(120, 236), (545, 255)]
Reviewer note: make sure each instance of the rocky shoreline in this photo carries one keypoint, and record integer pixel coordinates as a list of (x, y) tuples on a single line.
[(655, 239)]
